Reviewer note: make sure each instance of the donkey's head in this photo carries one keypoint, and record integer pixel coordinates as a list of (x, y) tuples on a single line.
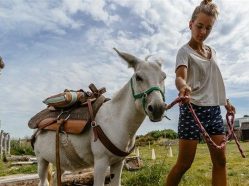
[(147, 85)]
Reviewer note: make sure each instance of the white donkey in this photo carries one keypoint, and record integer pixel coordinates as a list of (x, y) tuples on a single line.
[(119, 119)]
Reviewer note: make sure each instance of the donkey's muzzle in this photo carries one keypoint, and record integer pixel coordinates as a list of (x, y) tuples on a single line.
[(155, 112)]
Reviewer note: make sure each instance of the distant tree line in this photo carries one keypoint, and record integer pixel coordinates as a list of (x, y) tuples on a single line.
[(155, 135)]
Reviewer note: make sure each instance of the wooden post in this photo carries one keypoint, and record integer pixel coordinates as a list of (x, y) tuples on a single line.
[(170, 153), (138, 153), (5, 143), (153, 154), (8, 144), (1, 144)]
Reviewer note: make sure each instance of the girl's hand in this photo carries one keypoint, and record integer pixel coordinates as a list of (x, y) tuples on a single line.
[(229, 107), (184, 93)]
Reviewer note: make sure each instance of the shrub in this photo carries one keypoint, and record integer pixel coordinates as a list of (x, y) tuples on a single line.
[(21, 147)]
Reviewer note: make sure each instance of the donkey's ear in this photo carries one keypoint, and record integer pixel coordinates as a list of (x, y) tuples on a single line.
[(130, 59), (159, 62)]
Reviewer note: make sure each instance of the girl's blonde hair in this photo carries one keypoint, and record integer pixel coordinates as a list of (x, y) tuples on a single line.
[(206, 7)]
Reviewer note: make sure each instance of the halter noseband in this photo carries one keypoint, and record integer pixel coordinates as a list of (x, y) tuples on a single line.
[(144, 94)]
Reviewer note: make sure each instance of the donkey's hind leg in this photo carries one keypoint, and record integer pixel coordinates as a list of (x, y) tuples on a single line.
[(43, 172)]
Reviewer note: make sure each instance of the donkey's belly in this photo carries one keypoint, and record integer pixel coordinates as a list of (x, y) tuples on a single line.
[(75, 154)]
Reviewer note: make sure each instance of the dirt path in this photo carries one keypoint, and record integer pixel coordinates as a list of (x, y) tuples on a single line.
[(19, 180)]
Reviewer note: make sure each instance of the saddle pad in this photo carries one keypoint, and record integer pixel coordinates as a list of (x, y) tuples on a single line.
[(70, 126)]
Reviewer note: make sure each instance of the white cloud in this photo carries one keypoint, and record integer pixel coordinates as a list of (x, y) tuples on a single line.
[(52, 45), (96, 9)]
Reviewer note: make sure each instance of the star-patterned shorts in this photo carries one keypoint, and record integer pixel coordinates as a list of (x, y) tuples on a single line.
[(210, 117)]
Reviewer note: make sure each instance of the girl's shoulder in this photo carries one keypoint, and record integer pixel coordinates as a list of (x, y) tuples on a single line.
[(184, 50)]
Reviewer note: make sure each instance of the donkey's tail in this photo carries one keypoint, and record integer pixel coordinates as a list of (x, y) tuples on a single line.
[(33, 137)]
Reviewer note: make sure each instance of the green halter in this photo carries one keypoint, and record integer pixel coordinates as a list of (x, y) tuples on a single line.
[(144, 94)]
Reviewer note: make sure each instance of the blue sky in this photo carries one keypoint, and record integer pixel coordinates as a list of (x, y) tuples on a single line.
[(51, 45)]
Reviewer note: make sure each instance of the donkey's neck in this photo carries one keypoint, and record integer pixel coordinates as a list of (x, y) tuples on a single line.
[(129, 117)]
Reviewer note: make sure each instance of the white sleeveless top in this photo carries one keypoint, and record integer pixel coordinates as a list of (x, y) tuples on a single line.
[(204, 77)]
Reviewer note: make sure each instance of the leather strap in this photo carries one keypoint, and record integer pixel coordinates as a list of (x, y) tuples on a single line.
[(57, 147), (108, 144), (99, 134), (93, 123)]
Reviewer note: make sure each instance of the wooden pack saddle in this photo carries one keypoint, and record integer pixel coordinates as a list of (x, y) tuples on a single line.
[(75, 118)]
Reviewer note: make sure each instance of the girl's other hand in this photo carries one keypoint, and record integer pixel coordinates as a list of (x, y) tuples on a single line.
[(229, 107)]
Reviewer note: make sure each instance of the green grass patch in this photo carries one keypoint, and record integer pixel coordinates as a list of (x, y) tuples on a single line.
[(6, 169)]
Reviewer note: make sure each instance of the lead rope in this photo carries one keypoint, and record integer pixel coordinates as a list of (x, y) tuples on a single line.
[(230, 124)]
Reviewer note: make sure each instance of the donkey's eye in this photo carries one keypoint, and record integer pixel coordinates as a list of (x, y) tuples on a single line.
[(139, 78), (164, 75)]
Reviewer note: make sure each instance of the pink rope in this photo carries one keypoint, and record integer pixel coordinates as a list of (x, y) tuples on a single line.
[(230, 128)]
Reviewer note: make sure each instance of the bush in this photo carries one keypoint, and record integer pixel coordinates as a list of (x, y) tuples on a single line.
[(21, 147)]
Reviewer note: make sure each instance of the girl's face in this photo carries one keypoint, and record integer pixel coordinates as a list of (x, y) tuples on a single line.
[(201, 27)]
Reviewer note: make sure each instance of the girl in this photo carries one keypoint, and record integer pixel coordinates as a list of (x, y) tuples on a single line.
[(199, 78)]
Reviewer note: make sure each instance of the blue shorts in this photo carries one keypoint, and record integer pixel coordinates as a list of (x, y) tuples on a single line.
[(210, 117)]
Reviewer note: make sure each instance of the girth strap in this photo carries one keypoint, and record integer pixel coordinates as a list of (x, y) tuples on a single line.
[(60, 122), (99, 134)]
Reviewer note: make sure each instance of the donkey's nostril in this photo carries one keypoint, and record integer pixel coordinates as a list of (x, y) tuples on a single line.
[(150, 108)]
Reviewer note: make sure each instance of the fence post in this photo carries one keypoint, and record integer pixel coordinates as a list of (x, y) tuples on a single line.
[(8, 144), (1, 144), (5, 143)]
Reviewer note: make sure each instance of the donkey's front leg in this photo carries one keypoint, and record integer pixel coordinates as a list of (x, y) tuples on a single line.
[(100, 168), (116, 171)]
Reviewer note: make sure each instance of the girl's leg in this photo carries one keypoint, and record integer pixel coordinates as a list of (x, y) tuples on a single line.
[(219, 177), (187, 150)]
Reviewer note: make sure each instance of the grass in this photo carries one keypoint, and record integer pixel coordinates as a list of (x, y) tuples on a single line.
[(6, 169), (154, 171)]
